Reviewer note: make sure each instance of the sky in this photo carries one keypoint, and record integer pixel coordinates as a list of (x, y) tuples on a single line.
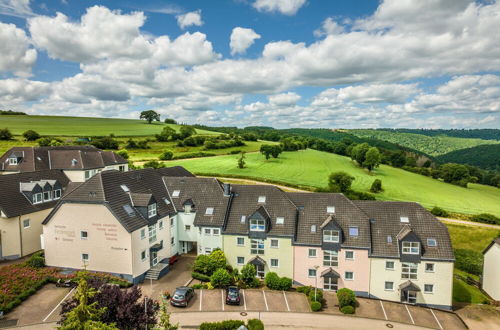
[(279, 63)]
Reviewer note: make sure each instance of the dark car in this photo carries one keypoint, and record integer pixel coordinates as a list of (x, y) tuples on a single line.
[(181, 296), (233, 296)]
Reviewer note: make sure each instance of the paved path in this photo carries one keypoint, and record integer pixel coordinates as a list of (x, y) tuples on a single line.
[(470, 223)]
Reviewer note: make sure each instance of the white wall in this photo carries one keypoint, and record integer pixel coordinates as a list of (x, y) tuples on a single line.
[(208, 240), (491, 272)]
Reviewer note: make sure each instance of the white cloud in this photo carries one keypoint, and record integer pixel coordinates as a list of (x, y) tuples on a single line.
[(329, 26), (285, 7), (284, 99), (16, 56), (22, 90), (241, 39), (16, 8), (188, 19)]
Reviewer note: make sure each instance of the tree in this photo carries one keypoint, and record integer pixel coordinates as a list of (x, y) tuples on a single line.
[(123, 153), (241, 160), (218, 258), (170, 121), (340, 181), (153, 164), (411, 161), (455, 173), (31, 135), (269, 150), (107, 142), (204, 265), (166, 134), (376, 186), (164, 316), (221, 278), (358, 153), (186, 131), (248, 273), (397, 159), (150, 116), (167, 155), (276, 150), (372, 159), (5, 134)]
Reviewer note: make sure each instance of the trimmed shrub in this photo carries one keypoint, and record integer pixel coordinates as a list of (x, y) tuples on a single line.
[(346, 297), (285, 283), (248, 273), (347, 310), (376, 186), (316, 293), (255, 324), (469, 261), (304, 289), (316, 306), (439, 212), (221, 278), (486, 218), (223, 325), (199, 286), (36, 260), (123, 153), (166, 155), (272, 281), (200, 277)]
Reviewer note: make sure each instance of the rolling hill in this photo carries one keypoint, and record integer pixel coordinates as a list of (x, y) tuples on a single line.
[(485, 156), (311, 168)]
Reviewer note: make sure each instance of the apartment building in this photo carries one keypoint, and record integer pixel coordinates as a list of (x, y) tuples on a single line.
[(25, 200), (79, 163)]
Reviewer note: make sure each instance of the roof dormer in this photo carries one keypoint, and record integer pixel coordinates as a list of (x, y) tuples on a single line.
[(410, 245), (15, 158), (332, 235), (259, 223)]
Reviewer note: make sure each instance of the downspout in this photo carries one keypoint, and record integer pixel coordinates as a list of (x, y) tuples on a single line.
[(20, 235)]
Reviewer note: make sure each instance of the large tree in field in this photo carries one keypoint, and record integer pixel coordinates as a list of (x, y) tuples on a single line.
[(372, 158), (358, 153), (150, 116), (340, 182)]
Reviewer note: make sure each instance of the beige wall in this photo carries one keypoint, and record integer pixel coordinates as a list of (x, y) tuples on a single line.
[(75, 176), (13, 233), (108, 245), (442, 278), (491, 272)]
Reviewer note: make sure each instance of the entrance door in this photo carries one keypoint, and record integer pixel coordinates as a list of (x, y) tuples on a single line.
[(154, 258), (409, 297), (330, 283), (260, 271)]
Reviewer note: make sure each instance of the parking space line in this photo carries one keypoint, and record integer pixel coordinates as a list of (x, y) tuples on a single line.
[(411, 317), (383, 309), (286, 301), (244, 299), (440, 327), (63, 299), (201, 297), (222, 298), (265, 300)]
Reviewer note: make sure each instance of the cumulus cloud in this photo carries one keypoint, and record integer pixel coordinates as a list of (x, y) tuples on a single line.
[(16, 56), (188, 19), (329, 26), (285, 7), (241, 39), (284, 99), (22, 90)]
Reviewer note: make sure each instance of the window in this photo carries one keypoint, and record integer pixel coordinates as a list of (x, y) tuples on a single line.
[(143, 255), (84, 234), (411, 247), (216, 231), (240, 260), (349, 276), (262, 199), (13, 161), (431, 242), (85, 257), (37, 198), (240, 241), (143, 233), (274, 263), (160, 224), (312, 253), (275, 243), (208, 232), (257, 225), (121, 168), (257, 246), (349, 255), (46, 196), (311, 272), (389, 239), (152, 233), (57, 193), (88, 175), (209, 211), (429, 268), (330, 284), (330, 209), (428, 288), (331, 236), (280, 220), (172, 223), (404, 219), (188, 228), (151, 210), (172, 240), (409, 271), (353, 231), (166, 201), (208, 250), (389, 265), (176, 193), (243, 219), (124, 187), (313, 228), (389, 286), (330, 258)]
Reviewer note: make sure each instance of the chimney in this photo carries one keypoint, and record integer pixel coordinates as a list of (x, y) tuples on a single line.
[(227, 189)]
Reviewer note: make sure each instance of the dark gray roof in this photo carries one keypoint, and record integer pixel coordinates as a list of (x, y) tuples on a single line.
[(175, 171), (387, 222), (313, 212), (203, 193), (14, 203), (61, 157), (277, 204)]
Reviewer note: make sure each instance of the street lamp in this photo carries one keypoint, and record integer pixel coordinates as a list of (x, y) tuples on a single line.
[(316, 282)]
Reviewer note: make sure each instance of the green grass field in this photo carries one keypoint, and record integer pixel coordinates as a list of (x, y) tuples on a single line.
[(84, 126), (471, 237), (311, 168)]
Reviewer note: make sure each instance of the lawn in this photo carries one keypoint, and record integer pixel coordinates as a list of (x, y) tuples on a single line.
[(471, 237), (464, 293), (311, 168), (84, 126)]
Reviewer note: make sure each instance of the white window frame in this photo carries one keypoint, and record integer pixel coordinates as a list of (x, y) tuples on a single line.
[(277, 263), (354, 228), (238, 262), (277, 246), (24, 222), (261, 199), (176, 193), (331, 236), (216, 232), (385, 286), (207, 232), (330, 258), (257, 246), (313, 228), (238, 239), (410, 248), (243, 219), (37, 198), (393, 265), (86, 234), (404, 219), (87, 259), (409, 271), (427, 291), (258, 225), (152, 210), (49, 196), (350, 251), (143, 233), (349, 279), (13, 161), (314, 255), (280, 220), (433, 267), (56, 194), (152, 233), (312, 271), (209, 211), (145, 255), (330, 209)]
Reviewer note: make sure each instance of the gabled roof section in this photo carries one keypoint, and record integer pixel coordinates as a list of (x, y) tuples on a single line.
[(408, 286), (141, 199), (260, 213), (330, 272), (405, 230), (175, 171), (495, 241)]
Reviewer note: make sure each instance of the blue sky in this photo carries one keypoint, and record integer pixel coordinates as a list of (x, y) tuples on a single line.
[(282, 63)]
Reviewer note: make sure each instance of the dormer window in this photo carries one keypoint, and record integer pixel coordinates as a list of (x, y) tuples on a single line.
[(176, 193), (389, 239), (243, 219), (74, 162), (128, 209), (411, 247), (209, 211), (262, 199), (280, 220), (37, 198), (404, 219), (353, 231), (151, 210), (57, 193), (257, 225), (313, 228), (46, 196), (431, 242), (330, 209), (13, 161), (332, 236)]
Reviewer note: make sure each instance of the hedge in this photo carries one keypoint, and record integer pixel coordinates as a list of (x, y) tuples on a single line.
[(469, 261), (200, 276), (486, 218), (316, 306), (318, 293), (439, 212), (274, 282), (255, 324), (223, 325), (346, 297)]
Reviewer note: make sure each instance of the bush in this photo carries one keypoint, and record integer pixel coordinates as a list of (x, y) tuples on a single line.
[(255, 324), (439, 212), (469, 261), (376, 186), (167, 155), (123, 153), (318, 293), (223, 325), (47, 141), (31, 135), (153, 164), (347, 310), (248, 273), (304, 289), (218, 259), (106, 142), (199, 286), (285, 283), (234, 152), (486, 218), (5, 134), (272, 281), (316, 306), (36, 260), (346, 297), (194, 155), (200, 277), (221, 278)]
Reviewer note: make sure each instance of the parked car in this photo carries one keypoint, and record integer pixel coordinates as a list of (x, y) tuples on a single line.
[(182, 296), (233, 296)]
